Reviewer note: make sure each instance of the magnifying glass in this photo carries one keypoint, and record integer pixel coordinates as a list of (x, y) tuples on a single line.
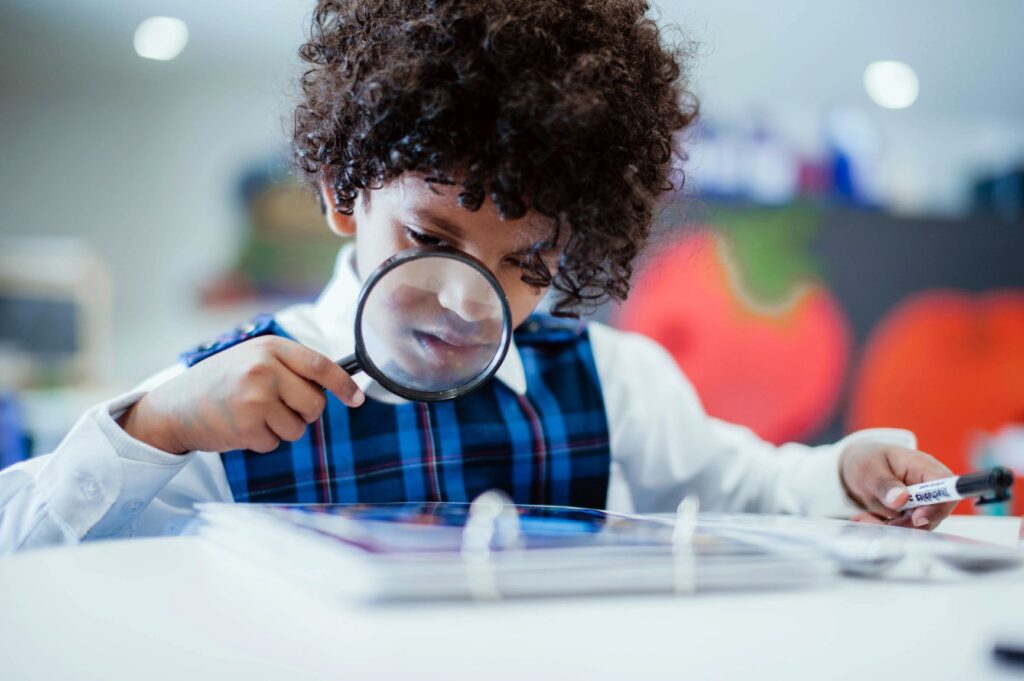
[(431, 324)]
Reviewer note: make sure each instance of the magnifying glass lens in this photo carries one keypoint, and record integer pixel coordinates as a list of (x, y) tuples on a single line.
[(433, 324)]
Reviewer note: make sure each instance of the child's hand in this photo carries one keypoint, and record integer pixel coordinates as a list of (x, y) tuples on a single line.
[(250, 396), (876, 475)]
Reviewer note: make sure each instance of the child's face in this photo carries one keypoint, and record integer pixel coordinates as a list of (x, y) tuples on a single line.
[(408, 212), (433, 324)]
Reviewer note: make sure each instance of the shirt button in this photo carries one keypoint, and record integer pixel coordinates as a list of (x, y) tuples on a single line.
[(131, 507), (91, 490)]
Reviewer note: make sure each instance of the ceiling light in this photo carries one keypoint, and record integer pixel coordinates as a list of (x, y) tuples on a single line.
[(161, 38), (891, 84)]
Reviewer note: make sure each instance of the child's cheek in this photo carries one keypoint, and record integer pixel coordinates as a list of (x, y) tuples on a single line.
[(522, 299)]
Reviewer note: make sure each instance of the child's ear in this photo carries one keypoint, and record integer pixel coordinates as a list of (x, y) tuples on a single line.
[(339, 223)]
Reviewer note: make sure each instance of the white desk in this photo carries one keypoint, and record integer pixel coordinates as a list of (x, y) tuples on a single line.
[(178, 608)]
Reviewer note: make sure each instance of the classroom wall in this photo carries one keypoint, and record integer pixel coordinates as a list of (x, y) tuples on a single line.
[(141, 159)]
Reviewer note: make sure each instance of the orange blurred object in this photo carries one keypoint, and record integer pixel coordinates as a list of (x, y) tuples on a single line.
[(777, 369), (948, 366)]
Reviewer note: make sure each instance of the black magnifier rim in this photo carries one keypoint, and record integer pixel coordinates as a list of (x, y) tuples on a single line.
[(401, 258)]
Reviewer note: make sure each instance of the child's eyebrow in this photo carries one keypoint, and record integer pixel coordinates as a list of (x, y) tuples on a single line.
[(445, 225), (542, 250), (441, 223)]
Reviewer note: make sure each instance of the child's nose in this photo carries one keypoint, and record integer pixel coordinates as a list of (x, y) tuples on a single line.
[(470, 296)]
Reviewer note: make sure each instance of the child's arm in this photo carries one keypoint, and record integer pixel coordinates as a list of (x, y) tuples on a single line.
[(666, 447), (102, 478), (98, 481), (250, 396)]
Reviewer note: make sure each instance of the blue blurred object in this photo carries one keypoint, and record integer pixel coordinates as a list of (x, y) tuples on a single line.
[(14, 445), (1001, 195)]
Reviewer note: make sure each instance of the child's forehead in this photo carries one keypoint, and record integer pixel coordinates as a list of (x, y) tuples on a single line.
[(413, 195)]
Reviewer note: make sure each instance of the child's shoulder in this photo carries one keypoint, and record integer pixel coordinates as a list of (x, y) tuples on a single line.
[(297, 322), (261, 325), (545, 328), (614, 350), (628, 348), (540, 328)]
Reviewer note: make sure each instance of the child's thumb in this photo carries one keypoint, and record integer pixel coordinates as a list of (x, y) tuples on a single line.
[(892, 493)]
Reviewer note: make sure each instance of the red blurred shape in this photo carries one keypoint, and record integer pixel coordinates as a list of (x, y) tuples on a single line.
[(777, 370), (947, 365)]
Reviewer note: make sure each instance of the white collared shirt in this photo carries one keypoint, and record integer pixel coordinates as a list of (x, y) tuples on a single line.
[(100, 482)]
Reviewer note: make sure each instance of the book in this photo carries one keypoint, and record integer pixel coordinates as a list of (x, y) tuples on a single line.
[(380, 552), (493, 549)]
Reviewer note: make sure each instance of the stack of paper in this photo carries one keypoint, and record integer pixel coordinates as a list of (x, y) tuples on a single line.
[(492, 549)]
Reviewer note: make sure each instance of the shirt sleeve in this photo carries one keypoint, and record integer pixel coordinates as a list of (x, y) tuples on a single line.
[(665, 447), (97, 483)]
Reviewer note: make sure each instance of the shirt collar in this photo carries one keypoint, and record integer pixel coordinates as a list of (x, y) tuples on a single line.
[(334, 316)]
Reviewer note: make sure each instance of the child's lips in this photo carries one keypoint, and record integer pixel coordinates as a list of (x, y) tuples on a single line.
[(448, 346)]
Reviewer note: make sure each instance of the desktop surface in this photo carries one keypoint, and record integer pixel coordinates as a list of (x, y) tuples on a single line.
[(178, 607)]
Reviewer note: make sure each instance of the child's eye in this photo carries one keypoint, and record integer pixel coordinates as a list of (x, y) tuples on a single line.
[(515, 262), (425, 239)]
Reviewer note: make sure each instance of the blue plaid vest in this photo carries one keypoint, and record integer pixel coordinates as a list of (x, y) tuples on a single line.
[(549, 446)]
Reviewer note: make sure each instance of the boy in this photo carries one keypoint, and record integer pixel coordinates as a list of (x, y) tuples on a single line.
[(536, 137)]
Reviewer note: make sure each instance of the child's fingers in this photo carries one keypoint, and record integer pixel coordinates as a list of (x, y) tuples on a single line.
[(928, 517), (881, 491), (902, 520), (869, 518), (304, 397), (263, 441), (914, 467), (285, 423), (320, 369), (919, 517), (871, 481)]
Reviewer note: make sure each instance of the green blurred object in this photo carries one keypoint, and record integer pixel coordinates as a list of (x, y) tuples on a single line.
[(770, 249), (287, 248)]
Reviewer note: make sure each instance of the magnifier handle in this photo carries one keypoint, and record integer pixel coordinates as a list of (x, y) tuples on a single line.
[(350, 364)]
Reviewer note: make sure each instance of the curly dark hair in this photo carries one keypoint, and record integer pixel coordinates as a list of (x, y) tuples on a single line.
[(566, 107)]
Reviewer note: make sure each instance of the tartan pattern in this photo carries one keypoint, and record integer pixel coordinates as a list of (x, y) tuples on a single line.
[(549, 446)]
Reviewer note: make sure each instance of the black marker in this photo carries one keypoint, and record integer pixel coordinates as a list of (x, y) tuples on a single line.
[(993, 484)]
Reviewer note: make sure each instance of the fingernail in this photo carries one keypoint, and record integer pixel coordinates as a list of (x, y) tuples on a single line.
[(358, 398), (892, 495), (920, 520)]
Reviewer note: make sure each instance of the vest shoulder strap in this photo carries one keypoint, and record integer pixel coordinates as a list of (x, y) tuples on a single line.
[(262, 325), (541, 329)]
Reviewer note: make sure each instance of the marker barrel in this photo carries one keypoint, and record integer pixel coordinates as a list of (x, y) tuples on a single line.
[(994, 484), (932, 492)]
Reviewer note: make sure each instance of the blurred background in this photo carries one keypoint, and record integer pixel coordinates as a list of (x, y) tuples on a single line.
[(848, 250)]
